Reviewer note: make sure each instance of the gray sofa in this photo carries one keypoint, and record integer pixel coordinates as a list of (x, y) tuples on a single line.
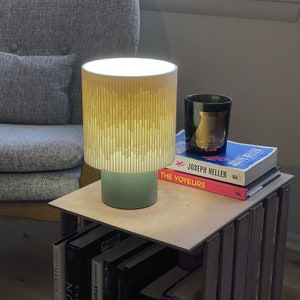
[(43, 44)]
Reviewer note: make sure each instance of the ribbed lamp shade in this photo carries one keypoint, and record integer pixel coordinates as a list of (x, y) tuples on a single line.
[(129, 113)]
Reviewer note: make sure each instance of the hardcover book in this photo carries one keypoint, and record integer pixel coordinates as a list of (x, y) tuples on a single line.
[(59, 263), (240, 165), (79, 252), (104, 282), (219, 187), (188, 288), (156, 288), (139, 270)]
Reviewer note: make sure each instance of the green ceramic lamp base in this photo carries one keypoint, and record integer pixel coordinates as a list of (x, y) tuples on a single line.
[(129, 191)]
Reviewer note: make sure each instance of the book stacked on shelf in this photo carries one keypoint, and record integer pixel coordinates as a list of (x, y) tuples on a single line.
[(59, 262), (177, 283), (140, 269), (99, 262), (72, 259), (187, 288), (239, 173), (156, 289), (104, 275)]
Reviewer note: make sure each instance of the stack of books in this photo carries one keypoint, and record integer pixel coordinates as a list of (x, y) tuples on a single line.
[(239, 173), (102, 263)]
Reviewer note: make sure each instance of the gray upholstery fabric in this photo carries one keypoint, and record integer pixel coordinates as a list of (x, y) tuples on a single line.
[(33, 148), (37, 163), (38, 186), (89, 28), (34, 89)]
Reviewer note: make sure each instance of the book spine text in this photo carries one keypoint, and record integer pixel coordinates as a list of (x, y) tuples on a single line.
[(208, 170), (202, 183)]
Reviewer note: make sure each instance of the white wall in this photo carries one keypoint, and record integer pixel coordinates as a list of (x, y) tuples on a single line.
[(256, 62)]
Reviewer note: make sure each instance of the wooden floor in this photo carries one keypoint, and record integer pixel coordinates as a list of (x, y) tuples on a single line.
[(26, 261)]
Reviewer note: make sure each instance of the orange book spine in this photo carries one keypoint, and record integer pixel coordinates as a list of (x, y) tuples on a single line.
[(204, 184)]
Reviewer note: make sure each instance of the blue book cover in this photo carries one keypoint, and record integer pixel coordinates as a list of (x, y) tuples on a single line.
[(240, 164)]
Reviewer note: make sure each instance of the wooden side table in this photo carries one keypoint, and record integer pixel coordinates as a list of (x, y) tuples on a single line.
[(243, 241)]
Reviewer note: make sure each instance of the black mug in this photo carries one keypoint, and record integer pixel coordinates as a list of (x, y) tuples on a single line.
[(206, 123)]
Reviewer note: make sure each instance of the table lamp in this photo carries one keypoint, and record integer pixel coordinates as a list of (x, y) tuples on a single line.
[(129, 126)]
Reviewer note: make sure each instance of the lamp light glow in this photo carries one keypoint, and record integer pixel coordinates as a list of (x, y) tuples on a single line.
[(129, 113)]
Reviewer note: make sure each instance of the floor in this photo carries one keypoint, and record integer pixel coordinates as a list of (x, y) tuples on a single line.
[(26, 261)]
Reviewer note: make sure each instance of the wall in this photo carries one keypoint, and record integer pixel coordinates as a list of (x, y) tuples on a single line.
[(256, 62)]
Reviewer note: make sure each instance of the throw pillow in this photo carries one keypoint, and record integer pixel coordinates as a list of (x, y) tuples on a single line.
[(34, 89)]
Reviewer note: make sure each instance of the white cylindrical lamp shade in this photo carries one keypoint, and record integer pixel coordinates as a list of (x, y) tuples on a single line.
[(129, 114)]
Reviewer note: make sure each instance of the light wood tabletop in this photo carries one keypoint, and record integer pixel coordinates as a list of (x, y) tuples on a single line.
[(181, 218)]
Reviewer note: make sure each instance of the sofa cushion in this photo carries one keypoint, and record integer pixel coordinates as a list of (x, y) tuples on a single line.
[(34, 89), (90, 29), (36, 148), (38, 186)]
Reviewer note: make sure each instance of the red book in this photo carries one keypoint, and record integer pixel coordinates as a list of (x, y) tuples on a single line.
[(218, 187)]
